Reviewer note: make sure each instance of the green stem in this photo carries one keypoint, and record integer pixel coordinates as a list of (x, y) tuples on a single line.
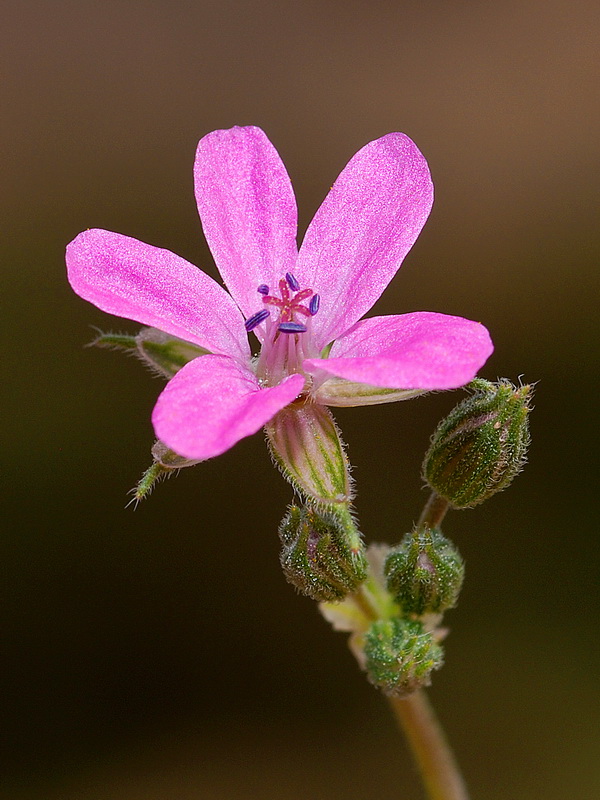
[(365, 603), (430, 749), (434, 511)]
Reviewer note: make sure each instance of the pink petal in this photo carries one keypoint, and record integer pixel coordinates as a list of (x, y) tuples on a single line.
[(363, 230), (131, 279), (213, 402), (248, 211), (422, 350)]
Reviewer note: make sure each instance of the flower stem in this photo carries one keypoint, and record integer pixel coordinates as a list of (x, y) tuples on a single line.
[(434, 511), (430, 749)]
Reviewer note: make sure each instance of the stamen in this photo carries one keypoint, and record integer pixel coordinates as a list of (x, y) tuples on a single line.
[(292, 327), (263, 289), (314, 304), (293, 283), (255, 320)]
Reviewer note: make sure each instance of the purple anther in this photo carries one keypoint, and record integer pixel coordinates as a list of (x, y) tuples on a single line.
[(263, 289), (315, 302), (292, 282), (256, 319), (292, 327)]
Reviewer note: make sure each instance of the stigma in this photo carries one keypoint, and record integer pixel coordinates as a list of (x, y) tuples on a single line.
[(289, 309)]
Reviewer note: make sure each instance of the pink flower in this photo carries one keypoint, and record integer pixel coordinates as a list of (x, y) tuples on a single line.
[(304, 307)]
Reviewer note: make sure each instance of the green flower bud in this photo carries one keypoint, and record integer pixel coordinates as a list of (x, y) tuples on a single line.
[(424, 572), (480, 447), (400, 655), (322, 552)]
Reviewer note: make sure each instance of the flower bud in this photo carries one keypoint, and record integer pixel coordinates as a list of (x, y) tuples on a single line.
[(424, 572), (400, 655), (480, 447), (322, 552)]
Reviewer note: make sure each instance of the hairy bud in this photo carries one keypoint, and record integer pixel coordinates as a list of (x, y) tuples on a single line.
[(482, 444), (400, 655), (424, 572), (322, 552)]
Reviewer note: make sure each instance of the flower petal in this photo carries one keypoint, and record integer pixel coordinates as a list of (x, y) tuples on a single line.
[(213, 402), (422, 350), (363, 230), (126, 277), (248, 211)]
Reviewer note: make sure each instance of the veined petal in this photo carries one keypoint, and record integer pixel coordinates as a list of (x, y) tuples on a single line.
[(422, 350), (213, 402), (131, 279), (248, 211), (363, 230)]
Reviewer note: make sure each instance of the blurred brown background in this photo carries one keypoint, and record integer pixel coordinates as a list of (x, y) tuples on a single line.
[(159, 653)]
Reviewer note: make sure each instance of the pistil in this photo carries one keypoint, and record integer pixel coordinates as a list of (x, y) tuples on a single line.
[(287, 341)]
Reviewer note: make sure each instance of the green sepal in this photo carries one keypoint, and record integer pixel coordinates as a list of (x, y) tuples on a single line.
[(165, 353), (322, 552), (155, 473), (306, 445), (400, 655), (115, 341), (482, 444), (342, 393), (424, 572), (165, 463)]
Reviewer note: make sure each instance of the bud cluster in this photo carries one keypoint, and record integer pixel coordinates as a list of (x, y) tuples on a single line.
[(391, 600), (395, 617)]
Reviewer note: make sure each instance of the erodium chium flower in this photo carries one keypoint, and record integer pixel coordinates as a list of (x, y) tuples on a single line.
[(304, 307)]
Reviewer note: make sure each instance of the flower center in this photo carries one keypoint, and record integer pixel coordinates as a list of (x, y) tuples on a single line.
[(289, 306), (287, 317)]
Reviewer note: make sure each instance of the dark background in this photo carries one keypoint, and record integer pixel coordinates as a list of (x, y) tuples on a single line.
[(159, 653)]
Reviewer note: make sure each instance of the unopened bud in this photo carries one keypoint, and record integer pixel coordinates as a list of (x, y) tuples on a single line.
[(424, 572), (322, 552), (482, 444), (400, 655)]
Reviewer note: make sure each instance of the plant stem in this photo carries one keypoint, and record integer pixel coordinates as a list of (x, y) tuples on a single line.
[(430, 749), (434, 511)]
